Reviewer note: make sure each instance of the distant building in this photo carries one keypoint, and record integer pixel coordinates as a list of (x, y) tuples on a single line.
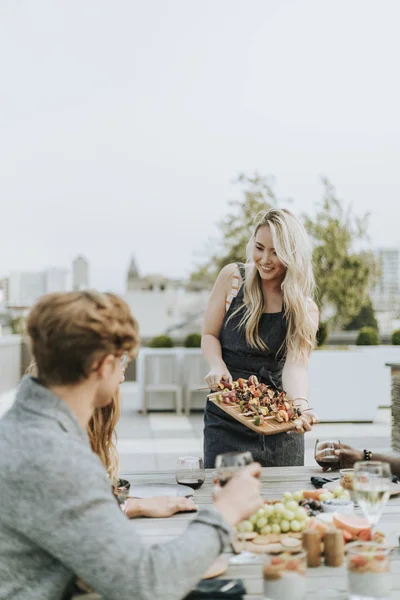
[(25, 288), (173, 311), (57, 280), (80, 273), (4, 290), (162, 305), (386, 294), (132, 277)]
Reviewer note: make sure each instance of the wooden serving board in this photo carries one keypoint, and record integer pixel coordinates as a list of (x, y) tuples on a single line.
[(270, 426), (271, 543)]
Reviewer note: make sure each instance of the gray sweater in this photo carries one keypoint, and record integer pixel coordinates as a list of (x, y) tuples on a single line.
[(59, 519)]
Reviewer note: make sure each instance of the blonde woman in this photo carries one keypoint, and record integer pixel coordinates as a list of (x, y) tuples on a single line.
[(102, 436), (261, 320)]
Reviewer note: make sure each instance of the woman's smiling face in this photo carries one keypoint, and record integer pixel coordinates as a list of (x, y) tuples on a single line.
[(265, 258)]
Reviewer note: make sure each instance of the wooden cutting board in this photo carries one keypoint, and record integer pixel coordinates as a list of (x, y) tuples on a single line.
[(270, 544), (270, 426)]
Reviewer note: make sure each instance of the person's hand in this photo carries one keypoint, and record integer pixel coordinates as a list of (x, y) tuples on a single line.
[(216, 375), (241, 496), (347, 455), (159, 507), (305, 422)]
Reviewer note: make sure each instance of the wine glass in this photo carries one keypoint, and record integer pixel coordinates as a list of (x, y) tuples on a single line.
[(371, 484), (229, 463), (324, 453), (121, 491), (190, 471)]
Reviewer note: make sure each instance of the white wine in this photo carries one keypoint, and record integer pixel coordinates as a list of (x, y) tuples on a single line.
[(372, 498)]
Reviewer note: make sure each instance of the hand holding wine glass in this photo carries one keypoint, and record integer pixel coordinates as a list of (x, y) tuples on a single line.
[(325, 456), (241, 497), (229, 463)]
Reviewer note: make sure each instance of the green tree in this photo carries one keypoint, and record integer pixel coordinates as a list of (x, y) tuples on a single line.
[(343, 275), (18, 325), (258, 194), (365, 318)]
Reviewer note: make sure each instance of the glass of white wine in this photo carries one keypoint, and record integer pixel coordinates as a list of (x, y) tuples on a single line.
[(371, 483)]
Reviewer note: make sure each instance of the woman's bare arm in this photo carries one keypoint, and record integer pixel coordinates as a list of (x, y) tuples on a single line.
[(213, 318), (295, 371)]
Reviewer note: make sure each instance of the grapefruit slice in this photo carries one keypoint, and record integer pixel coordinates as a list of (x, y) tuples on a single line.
[(347, 536), (313, 494), (352, 524)]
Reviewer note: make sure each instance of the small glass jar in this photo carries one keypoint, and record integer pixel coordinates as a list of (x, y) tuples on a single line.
[(346, 479), (285, 576), (368, 571)]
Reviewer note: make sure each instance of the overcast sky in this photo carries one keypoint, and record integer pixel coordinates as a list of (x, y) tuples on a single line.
[(123, 123)]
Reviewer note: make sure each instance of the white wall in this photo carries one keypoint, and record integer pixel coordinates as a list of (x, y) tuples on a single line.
[(157, 311), (345, 385), (350, 385)]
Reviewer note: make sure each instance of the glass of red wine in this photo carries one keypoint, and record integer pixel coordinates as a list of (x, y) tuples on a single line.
[(229, 463), (324, 454), (190, 471), (121, 491)]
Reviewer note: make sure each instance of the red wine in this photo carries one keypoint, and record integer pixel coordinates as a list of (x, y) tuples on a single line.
[(224, 481), (193, 483), (328, 461)]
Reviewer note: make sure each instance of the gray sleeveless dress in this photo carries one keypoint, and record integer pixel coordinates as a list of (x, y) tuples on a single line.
[(222, 433)]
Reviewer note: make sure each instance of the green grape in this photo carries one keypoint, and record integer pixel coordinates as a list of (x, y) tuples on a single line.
[(262, 522), (287, 495), (261, 512), (292, 505), (300, 513), (303, 524), (275, 528), (295, 525), (298, 496), (325, 496), (338, 491), (266, 530), (244, 527), (253, 519), (268, 510), (285, 526), (279, 508), (288, 515)]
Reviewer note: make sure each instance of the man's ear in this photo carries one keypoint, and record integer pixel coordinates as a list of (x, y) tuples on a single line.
[(106, 366)]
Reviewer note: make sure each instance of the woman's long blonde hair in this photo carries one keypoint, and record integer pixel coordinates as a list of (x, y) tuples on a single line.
[(101, 430), (103, 437), (293, 249)]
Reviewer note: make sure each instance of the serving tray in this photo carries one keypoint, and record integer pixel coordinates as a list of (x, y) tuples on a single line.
[(270, 426)]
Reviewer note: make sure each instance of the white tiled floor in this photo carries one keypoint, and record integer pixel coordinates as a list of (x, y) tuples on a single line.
[(169, 422)]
